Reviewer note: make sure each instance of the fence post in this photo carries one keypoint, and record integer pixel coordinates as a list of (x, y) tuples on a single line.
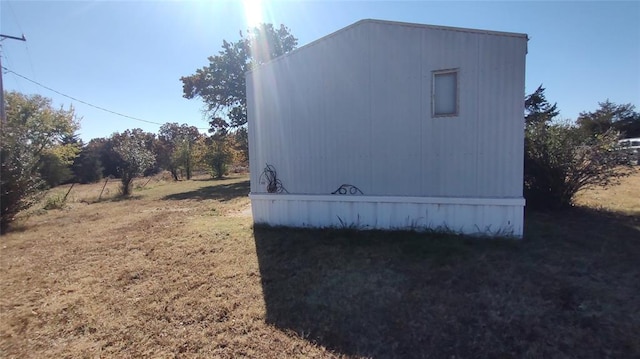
[(105, 185)]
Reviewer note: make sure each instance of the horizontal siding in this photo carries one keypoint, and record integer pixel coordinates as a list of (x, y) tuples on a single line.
[(355, 108), (371, 213)]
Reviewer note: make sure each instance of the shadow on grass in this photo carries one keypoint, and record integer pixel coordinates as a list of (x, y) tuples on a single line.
[(569, 289), (117, 198), (222, 192), (212, 179)]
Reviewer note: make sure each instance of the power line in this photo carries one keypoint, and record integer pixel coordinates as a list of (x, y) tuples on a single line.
[(26, 44), (3, 114), (5, 55), (87, 103)]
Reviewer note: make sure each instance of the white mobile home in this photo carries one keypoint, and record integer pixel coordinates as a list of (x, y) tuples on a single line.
[(391, 125)]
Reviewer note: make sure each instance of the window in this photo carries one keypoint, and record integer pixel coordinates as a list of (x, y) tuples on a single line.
[(445, 93)]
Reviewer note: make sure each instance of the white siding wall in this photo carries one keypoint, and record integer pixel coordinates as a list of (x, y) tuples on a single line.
[(355, 108), (463, 215), (396, 106), (306, 110)]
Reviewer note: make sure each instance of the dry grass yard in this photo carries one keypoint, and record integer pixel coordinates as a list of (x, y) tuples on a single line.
[(179, 271)]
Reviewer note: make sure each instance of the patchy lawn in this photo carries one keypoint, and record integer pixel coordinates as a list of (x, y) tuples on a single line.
[(179, 271)]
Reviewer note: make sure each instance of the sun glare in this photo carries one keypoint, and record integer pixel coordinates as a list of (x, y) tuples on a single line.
[(252, 11)]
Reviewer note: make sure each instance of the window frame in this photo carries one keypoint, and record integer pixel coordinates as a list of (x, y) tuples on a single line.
[(434, 74)]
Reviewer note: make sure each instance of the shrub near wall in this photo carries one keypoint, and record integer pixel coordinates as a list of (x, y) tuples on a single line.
[(562, 158)]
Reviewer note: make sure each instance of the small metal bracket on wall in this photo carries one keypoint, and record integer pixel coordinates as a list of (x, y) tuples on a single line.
[(347, 189)]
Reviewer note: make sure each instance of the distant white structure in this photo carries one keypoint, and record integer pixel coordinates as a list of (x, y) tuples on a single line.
[(631, 146), (391, 125)]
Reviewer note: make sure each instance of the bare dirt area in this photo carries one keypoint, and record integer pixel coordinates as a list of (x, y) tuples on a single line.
[(178, 270)]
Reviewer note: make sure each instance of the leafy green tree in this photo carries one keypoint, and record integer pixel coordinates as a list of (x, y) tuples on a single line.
[(221, 84), (109, 159), (220, 154), (183, 156), (102, 150), (55, 165), (537, 109), (241, 138), (56, 162), (176, 148), (32, 128), (135, 157), (87, 167), (560, 159), (622, 118)]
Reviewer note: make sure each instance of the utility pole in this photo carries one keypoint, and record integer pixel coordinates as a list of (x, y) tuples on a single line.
[(3, 115)]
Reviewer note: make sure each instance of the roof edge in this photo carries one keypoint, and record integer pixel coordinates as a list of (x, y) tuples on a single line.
[(394, 23), (446, 28)]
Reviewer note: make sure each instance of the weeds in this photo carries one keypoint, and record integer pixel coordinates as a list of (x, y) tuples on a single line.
[(57, 201)]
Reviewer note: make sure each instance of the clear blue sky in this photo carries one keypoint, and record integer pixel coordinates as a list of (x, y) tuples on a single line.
[(129, 56)]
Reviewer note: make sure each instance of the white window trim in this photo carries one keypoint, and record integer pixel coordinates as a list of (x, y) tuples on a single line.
[(455, 71)]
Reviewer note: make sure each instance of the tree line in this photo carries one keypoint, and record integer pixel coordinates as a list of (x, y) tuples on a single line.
[(40, 149), (179, 149)]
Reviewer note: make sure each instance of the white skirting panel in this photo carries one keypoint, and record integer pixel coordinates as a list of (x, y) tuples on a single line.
[(475, 216)]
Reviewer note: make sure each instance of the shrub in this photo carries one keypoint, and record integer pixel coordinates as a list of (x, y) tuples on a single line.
[(55, 202), (21, 186), (560, 161)]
